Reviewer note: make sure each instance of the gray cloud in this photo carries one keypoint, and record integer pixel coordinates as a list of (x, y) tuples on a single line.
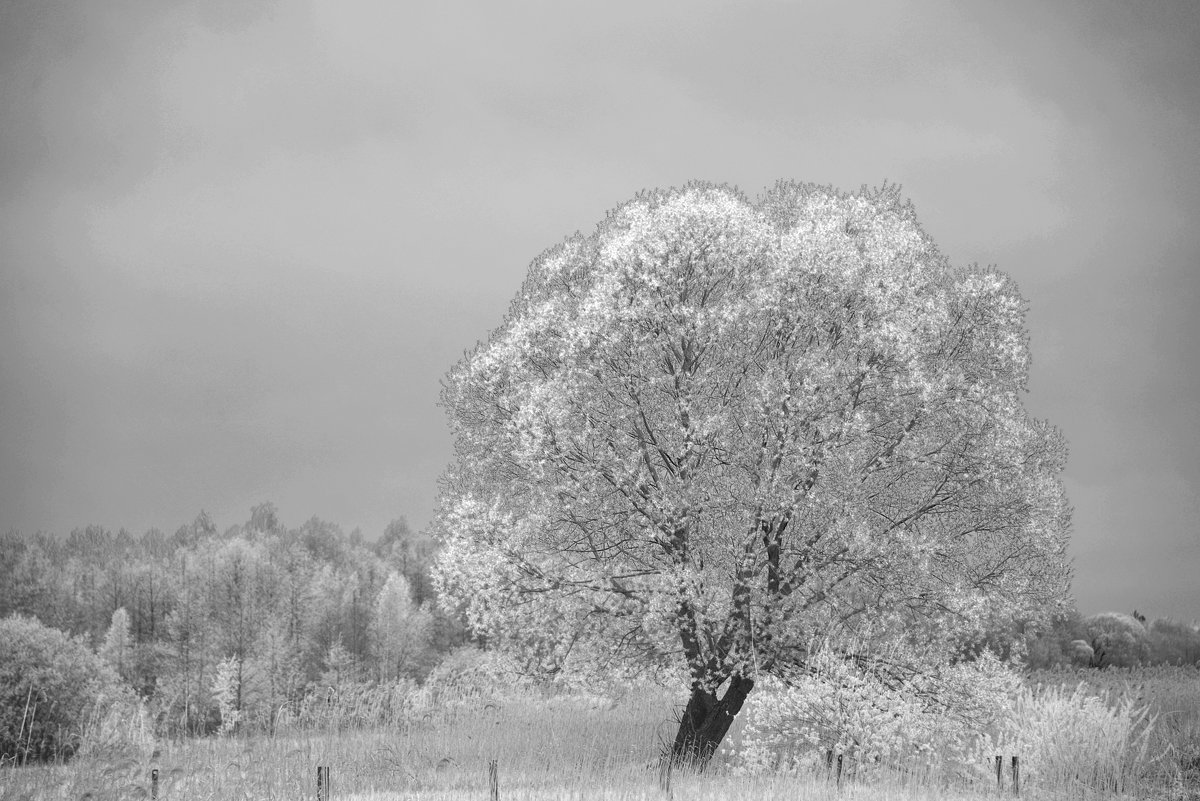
[(241, 242)]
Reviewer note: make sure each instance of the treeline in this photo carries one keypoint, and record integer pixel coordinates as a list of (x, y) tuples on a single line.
[(218, 630), (221, 628), (1112, 639)]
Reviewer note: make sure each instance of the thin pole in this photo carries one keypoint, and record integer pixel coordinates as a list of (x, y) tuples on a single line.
[(322, 783), (999, 767), (1016, 765), (154, 785)]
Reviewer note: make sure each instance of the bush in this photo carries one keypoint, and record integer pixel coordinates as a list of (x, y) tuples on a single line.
[(929, 722), (468, 675), (1079, 737), (1171, 728), (50, 686)]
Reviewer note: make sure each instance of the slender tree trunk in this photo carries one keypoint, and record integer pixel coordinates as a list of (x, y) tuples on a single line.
[(706, 720)]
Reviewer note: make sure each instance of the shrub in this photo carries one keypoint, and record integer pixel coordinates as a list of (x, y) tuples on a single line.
[(50, 686), (467, 676), (1173, 697), (1078, 736), (929, 721)]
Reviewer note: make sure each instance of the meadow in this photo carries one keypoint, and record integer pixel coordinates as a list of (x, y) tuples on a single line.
[(436, 742)]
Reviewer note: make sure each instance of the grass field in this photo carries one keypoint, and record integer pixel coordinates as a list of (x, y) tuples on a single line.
[(551, 746)]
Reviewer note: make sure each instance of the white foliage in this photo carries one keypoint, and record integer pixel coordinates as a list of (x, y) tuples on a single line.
[(227, 690), (1076, 735), (717, 428), (117, 649), (930, 720)]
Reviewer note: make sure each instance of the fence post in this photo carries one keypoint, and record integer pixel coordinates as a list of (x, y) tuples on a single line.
[(494, 780), (1016, 776), (154, 785), (839, 775), (999, 767), (322, 783)]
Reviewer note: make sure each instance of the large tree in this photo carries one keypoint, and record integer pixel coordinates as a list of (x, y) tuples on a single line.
[(720, 430)]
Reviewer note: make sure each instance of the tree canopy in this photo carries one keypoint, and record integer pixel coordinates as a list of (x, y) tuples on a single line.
[(719, 430)]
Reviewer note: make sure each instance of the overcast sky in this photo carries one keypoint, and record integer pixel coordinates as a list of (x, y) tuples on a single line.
[(242, 241)]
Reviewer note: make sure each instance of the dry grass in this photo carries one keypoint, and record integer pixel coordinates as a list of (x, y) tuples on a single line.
[(1171, 696), (547, 747)]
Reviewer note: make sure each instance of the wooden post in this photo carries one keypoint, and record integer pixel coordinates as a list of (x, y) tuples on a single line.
[(1016, 776), (494, 780), (322, 783), (839, 775), (154, 785), (999, 767)]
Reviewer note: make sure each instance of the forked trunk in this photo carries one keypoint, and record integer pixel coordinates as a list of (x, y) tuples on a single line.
[(705, 722)]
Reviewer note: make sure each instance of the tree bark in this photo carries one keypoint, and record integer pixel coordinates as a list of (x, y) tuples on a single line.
[(705, 722)]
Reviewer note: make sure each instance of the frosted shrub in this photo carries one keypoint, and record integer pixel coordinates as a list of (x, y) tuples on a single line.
[(928, 721), (50, 684), (1074, 736), (467, 679)]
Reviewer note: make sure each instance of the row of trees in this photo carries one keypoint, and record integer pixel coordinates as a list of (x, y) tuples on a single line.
[(218, 630), (211, 625), (1112, 639)]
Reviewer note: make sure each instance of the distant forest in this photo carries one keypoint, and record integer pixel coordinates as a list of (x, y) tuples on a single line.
[(260, 612), (260, 616)]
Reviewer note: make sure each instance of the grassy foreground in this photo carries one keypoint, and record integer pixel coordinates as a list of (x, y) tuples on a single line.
[(546, 746)]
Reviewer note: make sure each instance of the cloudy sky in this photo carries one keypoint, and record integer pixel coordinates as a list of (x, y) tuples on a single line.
[(241, 241)]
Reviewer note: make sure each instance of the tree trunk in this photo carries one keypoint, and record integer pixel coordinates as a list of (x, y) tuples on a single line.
[(705, 722)]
